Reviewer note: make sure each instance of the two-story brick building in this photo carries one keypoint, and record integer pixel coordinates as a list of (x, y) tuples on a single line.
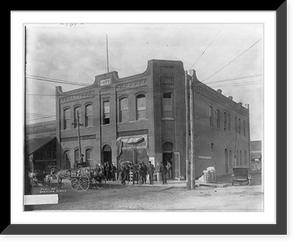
[(142, 118)]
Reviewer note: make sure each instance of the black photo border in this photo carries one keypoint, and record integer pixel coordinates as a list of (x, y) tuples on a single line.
[(280, 228)]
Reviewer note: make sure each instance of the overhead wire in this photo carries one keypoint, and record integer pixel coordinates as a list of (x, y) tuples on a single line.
[(206, 48), (232, 60)]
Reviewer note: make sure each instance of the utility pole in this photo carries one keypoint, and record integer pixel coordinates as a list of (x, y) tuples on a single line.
[(107, 62), (188, 171), (192, 134), (78, 131)]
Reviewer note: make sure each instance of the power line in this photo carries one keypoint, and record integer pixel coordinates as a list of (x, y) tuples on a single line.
[(233, 79), (232, 60), (206, 48), (55, 80)]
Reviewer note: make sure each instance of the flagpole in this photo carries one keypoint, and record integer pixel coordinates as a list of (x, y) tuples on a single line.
[(107, 62)]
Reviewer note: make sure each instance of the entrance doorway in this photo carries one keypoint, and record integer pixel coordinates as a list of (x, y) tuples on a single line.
[(168, 157), (106, 154)]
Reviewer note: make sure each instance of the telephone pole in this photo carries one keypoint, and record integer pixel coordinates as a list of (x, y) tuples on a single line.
[(192, 132), (188, 171)]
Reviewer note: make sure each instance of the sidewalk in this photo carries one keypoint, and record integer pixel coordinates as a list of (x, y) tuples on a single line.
[(170, 183)]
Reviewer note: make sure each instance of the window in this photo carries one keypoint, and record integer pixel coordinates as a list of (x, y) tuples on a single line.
[(88, 157), (88, 115), (226, 160), (239, 126), (230, 158), (66, 159), (211, 117), (245, 158), (67, 119), (237, 158), (140, 107), (229, 122), (77, 112), (218, 118), (212, 146), (106, 112), (241, 159), (225, 121), (236, 125), (123, 114), (76, 156), (244, 128), (167, 106)]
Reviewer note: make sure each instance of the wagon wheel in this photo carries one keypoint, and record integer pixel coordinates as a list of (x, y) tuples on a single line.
[(84, 182), (74, 183)]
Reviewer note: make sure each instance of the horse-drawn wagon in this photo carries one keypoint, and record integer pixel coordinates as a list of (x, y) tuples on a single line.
[(82, 177)]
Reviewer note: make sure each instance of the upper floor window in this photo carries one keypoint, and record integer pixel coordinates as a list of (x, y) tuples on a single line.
[(106, 112), (77, 116), (229, 122), (123, 113), (211, 116), (167, 105), (225, 121), (88, 115), (140, 107), (67, 119), (239, 126), (218, 118), (244, 128), (88, 157), (236, 125)]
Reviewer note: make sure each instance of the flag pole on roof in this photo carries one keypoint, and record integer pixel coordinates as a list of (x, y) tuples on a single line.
[(107, 61)]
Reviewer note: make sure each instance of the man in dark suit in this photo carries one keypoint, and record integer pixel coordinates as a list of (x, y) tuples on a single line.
[(150, 170), (163, 170)]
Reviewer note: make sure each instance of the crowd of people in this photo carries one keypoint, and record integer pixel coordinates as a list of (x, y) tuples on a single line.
[(137, 173)]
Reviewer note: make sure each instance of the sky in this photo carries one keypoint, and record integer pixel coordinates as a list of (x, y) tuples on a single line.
[(225, 56)]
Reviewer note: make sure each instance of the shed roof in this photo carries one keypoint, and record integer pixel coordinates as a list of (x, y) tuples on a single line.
[(33, 145)]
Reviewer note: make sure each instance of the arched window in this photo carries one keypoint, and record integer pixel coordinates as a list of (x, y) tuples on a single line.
[(123, 110), (89, 115), (241, 159), (140, 107), (88, 157), (226, 160), (77, 112), (218, 118), (67, 119), (76, 156), (211, 116), (66, 159), (225, 121)]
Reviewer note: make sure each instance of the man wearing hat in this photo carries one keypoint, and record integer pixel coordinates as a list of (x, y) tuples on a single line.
[(150, 169)]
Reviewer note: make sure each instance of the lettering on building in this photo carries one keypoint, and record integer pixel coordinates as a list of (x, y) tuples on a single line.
[(133, 84)]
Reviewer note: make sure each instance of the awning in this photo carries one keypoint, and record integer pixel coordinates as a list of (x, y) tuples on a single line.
[(32, 145), (132, 139)]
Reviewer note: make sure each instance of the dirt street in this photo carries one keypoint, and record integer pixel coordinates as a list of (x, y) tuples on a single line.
[(157, 197)]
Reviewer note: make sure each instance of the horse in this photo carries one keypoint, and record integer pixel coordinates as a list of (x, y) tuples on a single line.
[(60, 174), (33, 179)]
